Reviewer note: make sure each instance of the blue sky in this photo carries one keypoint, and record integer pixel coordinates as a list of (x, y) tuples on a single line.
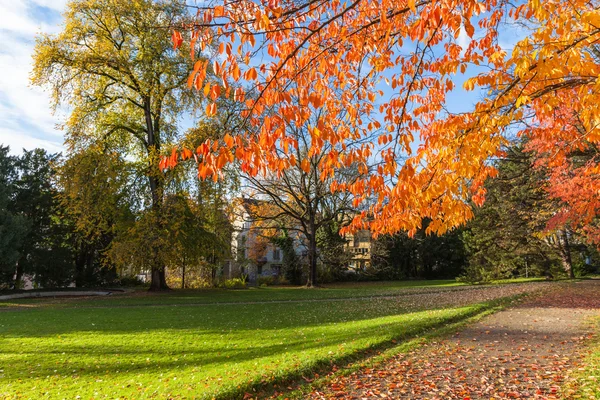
[(26, 120)]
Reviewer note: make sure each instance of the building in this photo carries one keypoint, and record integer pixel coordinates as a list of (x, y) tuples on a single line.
[(253, 254)]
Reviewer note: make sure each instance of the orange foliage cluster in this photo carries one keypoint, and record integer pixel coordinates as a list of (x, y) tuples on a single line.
[(569, 153), (290, 61)]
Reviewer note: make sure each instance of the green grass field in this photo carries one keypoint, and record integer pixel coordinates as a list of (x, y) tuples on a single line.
[(204, 344)]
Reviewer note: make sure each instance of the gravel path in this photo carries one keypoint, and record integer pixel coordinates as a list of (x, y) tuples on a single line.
[(526, 352)]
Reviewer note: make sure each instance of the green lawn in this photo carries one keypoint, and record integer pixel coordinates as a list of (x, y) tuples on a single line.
[(259, 294), (182, 350), (587, 384)]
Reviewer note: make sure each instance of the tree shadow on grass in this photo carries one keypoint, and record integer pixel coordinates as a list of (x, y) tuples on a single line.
[(128, 361)]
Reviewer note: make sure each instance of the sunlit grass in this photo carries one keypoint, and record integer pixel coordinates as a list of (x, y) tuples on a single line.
[(192, 345), (587, 382)]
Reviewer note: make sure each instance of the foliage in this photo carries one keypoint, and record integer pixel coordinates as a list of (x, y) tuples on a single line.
[(124, 91), (421, 256), (292, 265), (338, 55), (266, 281), (235, 283), (94, 193), (13, 227), (46, 250), (509, 234)]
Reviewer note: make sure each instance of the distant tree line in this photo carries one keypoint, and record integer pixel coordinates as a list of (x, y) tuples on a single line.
[(77, 221)]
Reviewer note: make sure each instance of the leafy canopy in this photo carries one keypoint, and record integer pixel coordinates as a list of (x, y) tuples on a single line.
[(427, 162)]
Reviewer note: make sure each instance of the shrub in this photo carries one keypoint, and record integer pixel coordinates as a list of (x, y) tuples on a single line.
[(266, 280), (475, 274), (131, 281), (235, 283)]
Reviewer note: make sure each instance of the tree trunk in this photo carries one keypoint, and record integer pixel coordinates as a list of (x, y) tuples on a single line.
[(565, 253), (183, 277), (312, 257), (18, 274), (158, 281)]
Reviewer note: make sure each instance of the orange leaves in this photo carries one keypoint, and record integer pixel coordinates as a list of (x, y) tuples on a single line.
[(323, 81), (176, 39), (211, 110), (469, 29), (305, 166), (251, 74), (228, 140)]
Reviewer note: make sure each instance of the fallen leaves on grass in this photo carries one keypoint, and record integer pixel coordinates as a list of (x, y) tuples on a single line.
[(527, 352)]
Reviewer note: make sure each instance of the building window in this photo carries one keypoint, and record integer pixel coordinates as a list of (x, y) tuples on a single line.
[(276, 254), (259, 270)]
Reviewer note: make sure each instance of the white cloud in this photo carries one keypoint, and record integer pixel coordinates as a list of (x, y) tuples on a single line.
[(26, 120), (463, 39)]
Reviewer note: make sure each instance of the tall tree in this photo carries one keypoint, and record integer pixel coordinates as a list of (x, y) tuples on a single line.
[(13, 226), (115, 69), (95, 193), (303, 198), (510, 232)]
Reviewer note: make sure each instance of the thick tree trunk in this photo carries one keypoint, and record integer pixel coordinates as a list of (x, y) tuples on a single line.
[(158, 281), (565, 253)]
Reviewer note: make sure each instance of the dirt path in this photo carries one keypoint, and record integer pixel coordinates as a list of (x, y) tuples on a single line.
[(526, 352)]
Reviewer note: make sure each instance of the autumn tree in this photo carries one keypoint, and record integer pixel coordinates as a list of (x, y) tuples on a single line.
[(114, 68), (190, 244), (302, 199), (94, 189), (560, 146), (510, 233), (431, 162)]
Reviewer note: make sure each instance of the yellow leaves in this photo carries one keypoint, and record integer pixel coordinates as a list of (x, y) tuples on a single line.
[(592, 18), (469, 84), (522, 100)]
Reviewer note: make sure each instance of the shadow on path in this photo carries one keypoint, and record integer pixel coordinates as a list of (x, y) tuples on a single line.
[(526, 352)]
